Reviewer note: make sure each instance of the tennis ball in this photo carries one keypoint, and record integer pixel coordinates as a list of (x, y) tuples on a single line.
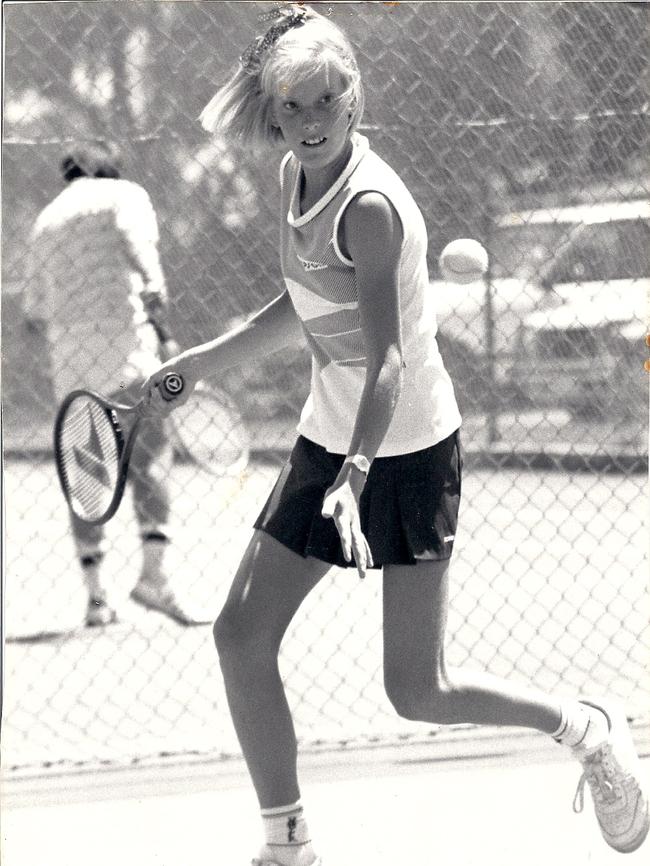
[(463, 261)]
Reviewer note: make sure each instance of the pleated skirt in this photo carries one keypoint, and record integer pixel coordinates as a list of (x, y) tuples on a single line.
[(408, 508)]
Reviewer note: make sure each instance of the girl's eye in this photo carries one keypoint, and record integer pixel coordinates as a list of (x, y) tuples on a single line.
[(290, 105), (327, 99)]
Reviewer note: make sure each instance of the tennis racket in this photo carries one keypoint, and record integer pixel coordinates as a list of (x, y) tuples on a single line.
[(92, 450), (208, 432)]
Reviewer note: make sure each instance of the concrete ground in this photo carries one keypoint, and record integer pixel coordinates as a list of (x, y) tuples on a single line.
[(494, 799)]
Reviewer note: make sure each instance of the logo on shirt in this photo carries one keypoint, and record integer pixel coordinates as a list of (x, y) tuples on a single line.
[(311, 266)]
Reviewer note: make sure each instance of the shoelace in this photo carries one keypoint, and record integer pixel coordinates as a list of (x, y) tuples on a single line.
[(600, 773)]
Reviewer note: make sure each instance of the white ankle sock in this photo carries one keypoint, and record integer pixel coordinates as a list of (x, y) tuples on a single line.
[(91, 570), (287, 836), (582, 726), (153, 556)]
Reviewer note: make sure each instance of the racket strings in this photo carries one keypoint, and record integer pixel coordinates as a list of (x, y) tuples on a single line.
[(89, 454), (211, 433)]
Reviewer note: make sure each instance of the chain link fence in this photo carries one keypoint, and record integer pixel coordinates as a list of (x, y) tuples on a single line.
[(522, 125)]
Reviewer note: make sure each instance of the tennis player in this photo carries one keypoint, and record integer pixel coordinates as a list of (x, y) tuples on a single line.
[(374, 479), (95, 287)]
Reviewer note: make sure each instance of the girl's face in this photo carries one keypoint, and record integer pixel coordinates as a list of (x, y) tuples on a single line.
[(313, 118)]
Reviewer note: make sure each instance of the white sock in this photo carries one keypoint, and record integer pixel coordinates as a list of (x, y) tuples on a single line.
[(154, 548), (288, 841), (582, 726), (90, 569)]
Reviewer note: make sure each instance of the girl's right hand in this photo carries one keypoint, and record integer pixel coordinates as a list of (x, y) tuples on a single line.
[(341, 503), (152, 385)]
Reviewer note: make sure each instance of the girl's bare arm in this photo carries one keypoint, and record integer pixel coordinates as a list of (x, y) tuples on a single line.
[(373, 237), (273, 328), (373, 234)]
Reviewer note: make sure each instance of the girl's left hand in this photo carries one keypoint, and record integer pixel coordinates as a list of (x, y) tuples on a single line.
[(341, 503)]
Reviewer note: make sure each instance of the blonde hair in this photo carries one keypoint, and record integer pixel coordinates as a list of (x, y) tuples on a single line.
[(242, 108)]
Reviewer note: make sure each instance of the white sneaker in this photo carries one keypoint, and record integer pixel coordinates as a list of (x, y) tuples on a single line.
[(613, 772), (99, 612), (266, 858), (256, 862), (164, 600)]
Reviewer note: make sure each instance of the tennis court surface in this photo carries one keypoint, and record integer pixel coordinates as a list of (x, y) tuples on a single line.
[(469, 798)]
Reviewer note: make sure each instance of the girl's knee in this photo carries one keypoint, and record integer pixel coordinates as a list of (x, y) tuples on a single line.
[(229, 633), (403, 702), (421, 701), (403, 691), (239, 643)]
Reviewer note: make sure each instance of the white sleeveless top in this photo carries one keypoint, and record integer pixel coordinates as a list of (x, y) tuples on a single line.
[(321, 283)]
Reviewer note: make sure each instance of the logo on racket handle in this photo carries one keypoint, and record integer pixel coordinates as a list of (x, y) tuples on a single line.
[(171, 386)]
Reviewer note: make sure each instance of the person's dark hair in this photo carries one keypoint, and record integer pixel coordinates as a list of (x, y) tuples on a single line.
[(99, 159)]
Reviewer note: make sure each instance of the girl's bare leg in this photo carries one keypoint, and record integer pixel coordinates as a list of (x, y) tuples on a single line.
[(418, 682), (269, 587)]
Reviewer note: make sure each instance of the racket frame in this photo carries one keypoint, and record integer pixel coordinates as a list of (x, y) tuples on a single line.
[(171, 386), (124, 448)]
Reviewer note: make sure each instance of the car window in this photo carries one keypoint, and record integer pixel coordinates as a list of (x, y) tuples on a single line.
[(519, 251), (549, 254)]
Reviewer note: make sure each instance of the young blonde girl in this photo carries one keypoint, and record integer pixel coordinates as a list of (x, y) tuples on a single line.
[(374, 478)]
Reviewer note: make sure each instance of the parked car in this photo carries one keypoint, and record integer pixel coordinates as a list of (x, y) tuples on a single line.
[(569, 291), (585, 350)]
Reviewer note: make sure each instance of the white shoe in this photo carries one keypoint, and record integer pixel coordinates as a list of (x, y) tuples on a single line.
[(163, 599), (99, 612), (256, 862), (267, 858), (613, 772)]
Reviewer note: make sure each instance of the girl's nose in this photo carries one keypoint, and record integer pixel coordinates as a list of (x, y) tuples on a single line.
[(310, 123)]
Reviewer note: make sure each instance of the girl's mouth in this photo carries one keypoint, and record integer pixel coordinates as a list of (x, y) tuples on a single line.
[(314, 142)]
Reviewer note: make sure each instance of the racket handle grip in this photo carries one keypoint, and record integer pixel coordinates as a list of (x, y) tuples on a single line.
[(171, 386)]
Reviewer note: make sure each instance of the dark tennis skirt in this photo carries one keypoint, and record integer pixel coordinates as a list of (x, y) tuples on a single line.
[(409, 506)]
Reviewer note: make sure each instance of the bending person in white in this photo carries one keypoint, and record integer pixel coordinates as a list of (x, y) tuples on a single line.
[(95, 287)]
